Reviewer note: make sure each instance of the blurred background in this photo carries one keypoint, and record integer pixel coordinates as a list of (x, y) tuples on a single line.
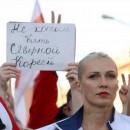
[(94, 31)]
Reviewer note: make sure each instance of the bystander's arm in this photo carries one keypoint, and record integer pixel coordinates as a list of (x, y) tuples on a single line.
[(124, 93), (72, 76)]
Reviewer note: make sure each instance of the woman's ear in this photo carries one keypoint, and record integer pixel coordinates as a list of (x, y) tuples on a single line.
[(78, 86)]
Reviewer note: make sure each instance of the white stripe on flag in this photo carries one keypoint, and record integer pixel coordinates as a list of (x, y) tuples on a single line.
[(27, 77)]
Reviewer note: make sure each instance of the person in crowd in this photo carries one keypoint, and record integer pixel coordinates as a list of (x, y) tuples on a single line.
[(8, 119), (98, 84), (66, 108), (124, 94), (7, 71), (124, 91), (76, 97)]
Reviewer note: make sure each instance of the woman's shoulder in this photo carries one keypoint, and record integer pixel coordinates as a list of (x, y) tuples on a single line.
[(123, 118), (50, 127), (121, 121)]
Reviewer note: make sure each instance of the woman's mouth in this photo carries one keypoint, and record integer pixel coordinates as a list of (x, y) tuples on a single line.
[(103, 94)]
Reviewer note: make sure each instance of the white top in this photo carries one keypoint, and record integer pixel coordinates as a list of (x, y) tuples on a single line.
[(5, 118), (118, 122)]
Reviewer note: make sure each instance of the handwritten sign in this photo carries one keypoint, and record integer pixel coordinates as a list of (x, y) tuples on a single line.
[(40, 46)]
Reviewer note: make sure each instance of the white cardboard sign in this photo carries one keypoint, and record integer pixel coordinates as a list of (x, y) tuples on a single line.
[(41, 46)]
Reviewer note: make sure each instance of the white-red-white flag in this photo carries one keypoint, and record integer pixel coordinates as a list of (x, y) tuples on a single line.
[(37, 16), (26, 78), (6, 119)]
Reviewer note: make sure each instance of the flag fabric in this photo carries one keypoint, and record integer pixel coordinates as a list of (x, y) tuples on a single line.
[(7, 121), (43, 108), (37, 16), (25, 80), (26, 77)]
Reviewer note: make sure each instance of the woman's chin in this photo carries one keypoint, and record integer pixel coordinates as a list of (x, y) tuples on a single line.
[(104, 104)]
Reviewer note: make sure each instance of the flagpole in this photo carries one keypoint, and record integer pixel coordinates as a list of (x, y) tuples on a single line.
[(107, 17)]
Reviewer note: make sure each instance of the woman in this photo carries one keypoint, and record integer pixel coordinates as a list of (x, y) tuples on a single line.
[(97, 81)]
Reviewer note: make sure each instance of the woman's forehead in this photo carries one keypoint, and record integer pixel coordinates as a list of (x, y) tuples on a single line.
[(100, 64)]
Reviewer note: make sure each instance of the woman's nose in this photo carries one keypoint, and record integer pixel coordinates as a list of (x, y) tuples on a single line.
[(103, 82)]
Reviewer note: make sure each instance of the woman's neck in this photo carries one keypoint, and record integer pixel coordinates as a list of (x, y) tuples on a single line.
[(95, 118)]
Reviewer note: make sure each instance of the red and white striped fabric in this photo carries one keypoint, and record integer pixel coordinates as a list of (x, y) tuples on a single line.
[(6, 117), (43, 109), (26, 77), (37, 16), (45, 90)]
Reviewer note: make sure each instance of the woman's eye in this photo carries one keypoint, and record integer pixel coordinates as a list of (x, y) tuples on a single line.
[(111, 76), (95, 76)]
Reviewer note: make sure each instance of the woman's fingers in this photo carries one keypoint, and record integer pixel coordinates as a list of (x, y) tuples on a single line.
[(72, 72), (8, 64), (129, 80), (123, 80), (9, 68), (72, 66), (59, 18), (52, 17), (7, 71), (123, 90)]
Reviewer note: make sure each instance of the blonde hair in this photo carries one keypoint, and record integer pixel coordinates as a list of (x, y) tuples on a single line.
[(93, 55)]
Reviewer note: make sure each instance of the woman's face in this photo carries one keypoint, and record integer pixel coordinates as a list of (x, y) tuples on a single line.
[(99, 82)]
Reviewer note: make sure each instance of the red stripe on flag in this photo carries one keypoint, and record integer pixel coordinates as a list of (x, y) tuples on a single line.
[(17, 80), (39, 19), (43, 109), (14, 125)]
